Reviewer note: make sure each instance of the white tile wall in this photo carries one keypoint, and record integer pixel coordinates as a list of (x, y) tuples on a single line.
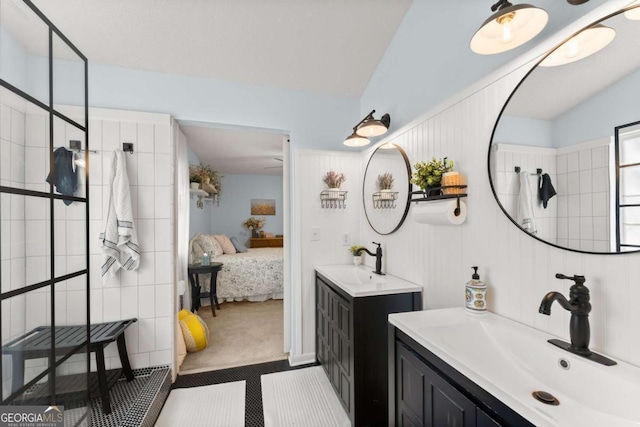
[(507, 181), (147, 293), (15, 239), (584, 208)]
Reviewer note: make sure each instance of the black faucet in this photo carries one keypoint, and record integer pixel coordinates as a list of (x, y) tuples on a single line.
[(378, 256), (579, 330)]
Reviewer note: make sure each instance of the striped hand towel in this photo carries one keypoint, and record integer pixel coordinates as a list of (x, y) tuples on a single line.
[(119, 240)]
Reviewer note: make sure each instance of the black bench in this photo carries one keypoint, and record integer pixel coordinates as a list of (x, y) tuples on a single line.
[(37, 344)]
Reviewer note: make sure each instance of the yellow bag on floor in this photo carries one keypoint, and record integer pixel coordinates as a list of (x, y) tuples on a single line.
[(195, 332)]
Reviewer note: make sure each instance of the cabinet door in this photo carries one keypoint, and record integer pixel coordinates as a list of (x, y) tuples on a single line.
[(333, 340), (423, 398), (322, 326), (340, 346)]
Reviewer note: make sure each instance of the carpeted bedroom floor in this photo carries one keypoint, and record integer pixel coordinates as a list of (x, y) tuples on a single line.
[(242, 333)]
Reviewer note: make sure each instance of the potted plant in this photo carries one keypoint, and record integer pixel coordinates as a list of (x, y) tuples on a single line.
[(334, 180), (385, 181), (255, 225), (357, 254), (385, 185), (210, 180), (194, 181), (428, 175)]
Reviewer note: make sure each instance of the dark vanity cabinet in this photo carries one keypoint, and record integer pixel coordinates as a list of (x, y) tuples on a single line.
[(351, 346), (426, 391)]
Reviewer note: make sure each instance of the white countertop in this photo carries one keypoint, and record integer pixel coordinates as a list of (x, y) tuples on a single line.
[(360, 281), (510, 361)]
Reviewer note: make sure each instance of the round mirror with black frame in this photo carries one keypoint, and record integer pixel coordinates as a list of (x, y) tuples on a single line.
[(386, 189), (562, 160)]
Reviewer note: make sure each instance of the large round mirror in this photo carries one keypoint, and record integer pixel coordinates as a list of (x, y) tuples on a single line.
[(564, 160), (387, 188)]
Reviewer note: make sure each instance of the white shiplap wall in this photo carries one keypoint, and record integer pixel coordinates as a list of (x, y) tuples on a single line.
[(309, 168), (518, 269)]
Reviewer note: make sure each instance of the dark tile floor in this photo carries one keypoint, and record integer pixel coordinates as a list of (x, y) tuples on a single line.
[(133, 404), (254, 416)]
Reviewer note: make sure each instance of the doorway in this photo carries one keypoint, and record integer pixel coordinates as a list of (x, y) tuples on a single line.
[(251, 325)]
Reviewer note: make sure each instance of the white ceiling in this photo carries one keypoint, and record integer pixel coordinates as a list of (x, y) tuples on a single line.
[(551, 91), (328, 46), (235, 151)]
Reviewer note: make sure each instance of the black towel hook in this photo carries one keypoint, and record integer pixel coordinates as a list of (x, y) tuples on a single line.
[(127, 147)]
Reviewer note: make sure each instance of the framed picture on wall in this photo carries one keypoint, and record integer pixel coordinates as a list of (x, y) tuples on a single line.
[(263, 206)]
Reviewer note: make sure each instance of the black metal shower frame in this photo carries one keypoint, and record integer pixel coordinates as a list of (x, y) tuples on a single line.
[(619, 244), (51, 282)]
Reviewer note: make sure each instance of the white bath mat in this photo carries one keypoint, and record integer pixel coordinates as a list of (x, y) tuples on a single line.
[(303, 397), (220, 405)]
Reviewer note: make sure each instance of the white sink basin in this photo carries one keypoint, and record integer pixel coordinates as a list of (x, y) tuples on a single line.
[(360, 281), (510, 360)]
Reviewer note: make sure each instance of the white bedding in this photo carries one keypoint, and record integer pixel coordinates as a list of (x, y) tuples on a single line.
[(256, 275)]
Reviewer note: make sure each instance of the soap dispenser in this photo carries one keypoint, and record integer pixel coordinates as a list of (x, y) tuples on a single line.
[(476, 294)]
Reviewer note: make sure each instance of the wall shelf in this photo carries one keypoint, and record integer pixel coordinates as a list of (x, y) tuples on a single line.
[(198, 192), (384, 199), (423, 196), (333, 199), (203, 196)]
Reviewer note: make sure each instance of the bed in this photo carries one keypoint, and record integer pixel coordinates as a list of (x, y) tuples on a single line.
[(256, 275)]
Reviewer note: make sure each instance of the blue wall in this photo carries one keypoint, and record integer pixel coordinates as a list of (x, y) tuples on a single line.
[(593, 119), (312, 120), (599, 115), (23, 70), (235, 204), (418, 71), (524, 131)]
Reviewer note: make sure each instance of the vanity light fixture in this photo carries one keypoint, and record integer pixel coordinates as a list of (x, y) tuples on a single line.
[(355, 140), (509, 27), (580, 46), (633, 14), (367, 128)]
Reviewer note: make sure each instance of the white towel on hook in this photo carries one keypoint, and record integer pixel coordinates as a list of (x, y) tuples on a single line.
[(526, 219), (119, 239)]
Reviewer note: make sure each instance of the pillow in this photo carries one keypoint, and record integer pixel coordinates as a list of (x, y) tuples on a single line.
[(195, 333), (225, 244), (205, 243), (240, 248)]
